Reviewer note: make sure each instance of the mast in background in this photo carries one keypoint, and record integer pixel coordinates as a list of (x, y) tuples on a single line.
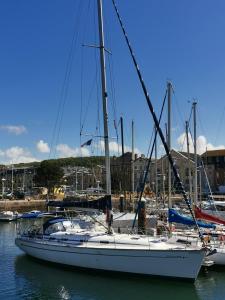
[(122, 135), (169, 89), (156, 171), (123, 181), (195, 155), (132, 158), (12, 181), (189, 161)]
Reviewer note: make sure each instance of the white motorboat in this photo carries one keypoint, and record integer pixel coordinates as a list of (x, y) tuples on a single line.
[(8, 216)]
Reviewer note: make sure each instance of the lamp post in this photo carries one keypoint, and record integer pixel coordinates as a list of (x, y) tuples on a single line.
[(77, 172), (98, 182), (76, 181), (3, 188), (12, 182)]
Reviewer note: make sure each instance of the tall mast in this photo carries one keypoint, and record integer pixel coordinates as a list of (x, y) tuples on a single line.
[(156, 172), (189, 161), (104, 97), (123, 181), (132, 158), (12, 181), (122, 135), (169, 88), (195, 155)]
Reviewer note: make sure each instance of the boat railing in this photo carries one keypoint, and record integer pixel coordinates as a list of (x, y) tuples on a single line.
[(29, 228)]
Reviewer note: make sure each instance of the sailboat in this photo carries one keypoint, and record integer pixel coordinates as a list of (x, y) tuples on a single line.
[(7, 215), (214, 230), (88, 247)]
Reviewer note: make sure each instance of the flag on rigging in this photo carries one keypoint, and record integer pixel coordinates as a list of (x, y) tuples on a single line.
[(88, 143)]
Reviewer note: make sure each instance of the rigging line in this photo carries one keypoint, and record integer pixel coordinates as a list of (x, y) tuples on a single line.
[(192, 139), (112, 86), (112, 89), (57, 124), (82, 67), (182, 145), (153, 131), (148, 165), (89, 99), (111, 73), (98, 121), (189, 120), (200, 122), (180, 112), (81, 89), (87, 106), (60, 105), (211, 199), (176, 174), (95, 80), (150, 143)]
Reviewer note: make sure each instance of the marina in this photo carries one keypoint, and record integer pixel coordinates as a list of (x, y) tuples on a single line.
[(27, 278), (90, 215)]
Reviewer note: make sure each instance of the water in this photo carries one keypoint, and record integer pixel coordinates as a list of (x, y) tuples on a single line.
[(25, 278)]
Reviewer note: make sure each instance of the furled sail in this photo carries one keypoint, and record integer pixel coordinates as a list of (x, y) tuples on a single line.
[(175, 217), (199, 214)]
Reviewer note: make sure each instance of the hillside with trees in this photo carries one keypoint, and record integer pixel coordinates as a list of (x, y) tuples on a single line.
[(87, 162)]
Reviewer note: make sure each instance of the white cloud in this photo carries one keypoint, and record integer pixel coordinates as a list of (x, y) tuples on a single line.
[(66, 151), (43, 147), (114, 148), (202, 144), (17, 130), (16, 154)]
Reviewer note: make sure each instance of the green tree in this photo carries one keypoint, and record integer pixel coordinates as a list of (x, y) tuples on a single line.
[(49, 174)]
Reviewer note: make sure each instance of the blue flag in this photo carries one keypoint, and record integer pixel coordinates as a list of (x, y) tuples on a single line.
[(88, 143)]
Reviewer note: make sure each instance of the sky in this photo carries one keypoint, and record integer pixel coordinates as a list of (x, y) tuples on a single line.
[(50, 76)]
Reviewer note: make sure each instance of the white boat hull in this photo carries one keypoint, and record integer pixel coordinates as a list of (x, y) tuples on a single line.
[(4, 217), (219, 256), (183, 264)]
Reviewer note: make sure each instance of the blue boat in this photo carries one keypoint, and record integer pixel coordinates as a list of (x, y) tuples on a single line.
[(31, 214)]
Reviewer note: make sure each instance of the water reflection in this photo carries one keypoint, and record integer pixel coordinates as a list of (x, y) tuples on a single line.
[(211, 284), (36, 280)]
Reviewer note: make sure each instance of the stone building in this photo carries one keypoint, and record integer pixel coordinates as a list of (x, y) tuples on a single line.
[(81, 178), (182, 164), (121, 172), (214, 161), (17, 178), (140, 165)]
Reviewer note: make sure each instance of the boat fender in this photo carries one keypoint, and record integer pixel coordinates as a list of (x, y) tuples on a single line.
[(211, 252), (207, 239), (221, 238)]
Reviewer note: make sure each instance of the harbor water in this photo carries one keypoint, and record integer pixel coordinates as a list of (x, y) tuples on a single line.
[(25, 278)]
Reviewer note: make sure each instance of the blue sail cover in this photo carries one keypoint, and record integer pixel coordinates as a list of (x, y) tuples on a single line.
[(175, 217)]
